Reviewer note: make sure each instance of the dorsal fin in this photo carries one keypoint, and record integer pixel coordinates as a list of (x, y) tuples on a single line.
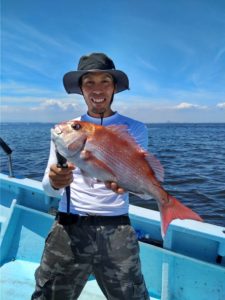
[(155, 165), (119, 130)]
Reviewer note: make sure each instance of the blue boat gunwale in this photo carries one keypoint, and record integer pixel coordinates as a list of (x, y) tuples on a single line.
[(185, 228), (141, 218)]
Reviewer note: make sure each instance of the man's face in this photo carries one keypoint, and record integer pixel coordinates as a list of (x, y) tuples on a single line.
[(98, 89)]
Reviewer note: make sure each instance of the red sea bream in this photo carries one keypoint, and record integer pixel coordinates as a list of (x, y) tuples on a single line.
[(111, 154)]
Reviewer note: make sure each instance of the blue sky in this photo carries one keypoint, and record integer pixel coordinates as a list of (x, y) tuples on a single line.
[(173, 52)]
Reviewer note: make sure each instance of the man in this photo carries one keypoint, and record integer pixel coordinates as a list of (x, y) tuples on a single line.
[(96, 236)]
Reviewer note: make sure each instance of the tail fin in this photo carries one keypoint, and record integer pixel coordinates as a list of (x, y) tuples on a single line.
[(175, 210)]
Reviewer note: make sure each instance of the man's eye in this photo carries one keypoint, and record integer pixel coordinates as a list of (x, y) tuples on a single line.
[(89, 83)]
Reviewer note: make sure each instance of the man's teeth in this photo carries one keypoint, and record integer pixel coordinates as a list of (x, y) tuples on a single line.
[(98, 100)]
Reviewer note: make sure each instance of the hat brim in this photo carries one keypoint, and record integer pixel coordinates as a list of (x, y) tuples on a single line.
[(71, 80)]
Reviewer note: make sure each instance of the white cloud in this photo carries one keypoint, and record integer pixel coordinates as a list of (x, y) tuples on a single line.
[(147, 64), (49, 110), (56, 105), (141, 108), (220, 53), (186, 105), (30, 39), (10, 109), (34, 52), (221, 105), (19, 90)]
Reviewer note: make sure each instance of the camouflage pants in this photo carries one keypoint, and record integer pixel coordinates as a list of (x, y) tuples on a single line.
[(73, 252)]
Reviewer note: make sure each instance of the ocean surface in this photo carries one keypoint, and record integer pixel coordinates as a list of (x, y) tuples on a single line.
[(193, 156)]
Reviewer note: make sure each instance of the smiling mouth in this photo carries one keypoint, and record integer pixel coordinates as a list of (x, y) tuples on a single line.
[(94, 100)]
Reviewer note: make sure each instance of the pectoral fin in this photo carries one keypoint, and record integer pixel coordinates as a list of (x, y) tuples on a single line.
[(94, 167)]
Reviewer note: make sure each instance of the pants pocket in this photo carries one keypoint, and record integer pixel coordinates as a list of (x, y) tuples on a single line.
[(42, 277), (43, 284)]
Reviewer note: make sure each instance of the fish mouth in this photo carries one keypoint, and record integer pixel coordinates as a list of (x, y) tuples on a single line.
[(58, 130)]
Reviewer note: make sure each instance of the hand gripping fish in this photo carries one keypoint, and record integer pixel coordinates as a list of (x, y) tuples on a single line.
[(111, 154)]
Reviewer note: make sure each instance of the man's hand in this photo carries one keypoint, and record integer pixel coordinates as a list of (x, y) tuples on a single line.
[(61, 177), (114, 187)]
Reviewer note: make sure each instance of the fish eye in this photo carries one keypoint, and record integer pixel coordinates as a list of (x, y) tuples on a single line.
[(76, 126)]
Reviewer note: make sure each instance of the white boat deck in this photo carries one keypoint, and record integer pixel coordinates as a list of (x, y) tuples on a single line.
[(23, 284)]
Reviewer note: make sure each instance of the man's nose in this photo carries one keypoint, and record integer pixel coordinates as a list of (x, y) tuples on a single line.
[(97, 91), (97, 88)]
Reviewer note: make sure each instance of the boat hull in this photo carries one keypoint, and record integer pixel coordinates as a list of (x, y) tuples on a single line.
[(188, 265)]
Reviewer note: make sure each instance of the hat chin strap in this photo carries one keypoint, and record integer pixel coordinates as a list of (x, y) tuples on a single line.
[(102, 117), (102, 113)]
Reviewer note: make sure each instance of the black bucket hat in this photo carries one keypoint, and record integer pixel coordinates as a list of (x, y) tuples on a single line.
[(95, 62)]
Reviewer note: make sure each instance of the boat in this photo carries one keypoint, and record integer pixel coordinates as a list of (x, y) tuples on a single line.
[(189, 264)]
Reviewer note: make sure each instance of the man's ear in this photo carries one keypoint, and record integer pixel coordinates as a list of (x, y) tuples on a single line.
[(81, 90)]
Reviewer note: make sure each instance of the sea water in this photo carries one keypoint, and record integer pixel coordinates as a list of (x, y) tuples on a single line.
[(193, 156)]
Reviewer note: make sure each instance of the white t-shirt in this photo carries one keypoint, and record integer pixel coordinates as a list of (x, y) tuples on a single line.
[(95, 198)]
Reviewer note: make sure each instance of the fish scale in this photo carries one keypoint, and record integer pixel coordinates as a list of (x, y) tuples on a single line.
[(119, 164)]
